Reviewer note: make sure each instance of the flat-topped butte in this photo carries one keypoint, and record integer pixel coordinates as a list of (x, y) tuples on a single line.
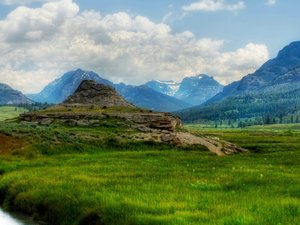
[(98, 105)]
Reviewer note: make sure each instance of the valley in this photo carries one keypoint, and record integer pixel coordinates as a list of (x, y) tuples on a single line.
[(149, 112), (97, 159), (72, 175), (87, 151)]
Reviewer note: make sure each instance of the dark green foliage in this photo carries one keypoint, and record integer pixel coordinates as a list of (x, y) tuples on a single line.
[(271, 103)]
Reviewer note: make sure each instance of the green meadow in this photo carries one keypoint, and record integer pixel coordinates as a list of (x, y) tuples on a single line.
[(63, 175), (9, 112)]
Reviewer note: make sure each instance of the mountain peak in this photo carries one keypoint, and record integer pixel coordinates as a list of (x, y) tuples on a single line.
[(198, 89), (287, 59), (201, 76), (9, 96), (79, 70), (5, 87), (90, 92), (58, 90), (167, 87), (290, 51)]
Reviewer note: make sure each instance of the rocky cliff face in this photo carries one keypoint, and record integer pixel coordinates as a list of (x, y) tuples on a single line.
[(91, 93), (93, 104)]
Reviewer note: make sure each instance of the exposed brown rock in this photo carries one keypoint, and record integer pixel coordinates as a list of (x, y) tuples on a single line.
[(141, 121), (91, 93), (185, 139)]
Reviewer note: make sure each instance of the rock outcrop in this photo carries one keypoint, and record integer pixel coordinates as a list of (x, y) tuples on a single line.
[(143, 121), (95, 105), (92, 103), (91, 93), (185, 139)]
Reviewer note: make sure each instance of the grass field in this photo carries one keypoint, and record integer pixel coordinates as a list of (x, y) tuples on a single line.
[(8, 112), (89, 176)]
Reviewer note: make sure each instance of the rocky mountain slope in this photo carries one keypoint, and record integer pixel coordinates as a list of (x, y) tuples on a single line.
[(287, 59), (274, 89), (9, 96)]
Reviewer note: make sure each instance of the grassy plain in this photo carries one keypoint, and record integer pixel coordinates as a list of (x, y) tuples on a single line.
[(9, 112), (66, 176)]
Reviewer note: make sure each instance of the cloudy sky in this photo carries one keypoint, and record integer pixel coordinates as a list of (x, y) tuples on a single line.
[(134, 41)]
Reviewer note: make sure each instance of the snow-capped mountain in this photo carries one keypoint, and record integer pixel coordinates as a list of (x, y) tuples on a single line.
[(141, 96), (193, 90), (168, 87), (198, 89)]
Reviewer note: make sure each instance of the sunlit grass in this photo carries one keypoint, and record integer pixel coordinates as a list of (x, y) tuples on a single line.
[(9, 112), (138, 183)]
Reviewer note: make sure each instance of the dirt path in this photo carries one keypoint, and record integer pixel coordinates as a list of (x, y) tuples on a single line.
[(8, 144)]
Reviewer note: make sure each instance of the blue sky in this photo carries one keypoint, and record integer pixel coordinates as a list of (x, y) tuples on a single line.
[(134, 41), (274, 25)]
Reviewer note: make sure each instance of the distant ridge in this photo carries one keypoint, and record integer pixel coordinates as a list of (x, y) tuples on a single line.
[(141, 96), (198, 89), (60, 89), (9, 96), (273, 90), (193, 90), (145, 97)]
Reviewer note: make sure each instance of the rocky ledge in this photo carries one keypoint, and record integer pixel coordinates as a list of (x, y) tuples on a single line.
[(143, 121)]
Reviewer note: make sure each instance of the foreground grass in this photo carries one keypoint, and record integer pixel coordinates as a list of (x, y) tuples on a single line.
[(8, 112), (75, 176)]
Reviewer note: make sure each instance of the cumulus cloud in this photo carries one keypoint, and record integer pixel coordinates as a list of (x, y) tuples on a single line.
[(271, 2), (214, 5), (20, 2), (39, 44)]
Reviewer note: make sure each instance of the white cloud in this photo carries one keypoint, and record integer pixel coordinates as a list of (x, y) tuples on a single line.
[(213, 6), (20, 2), (37, 45), (271, 2)]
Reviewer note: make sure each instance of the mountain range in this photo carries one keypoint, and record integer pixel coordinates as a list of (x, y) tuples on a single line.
[(194, 90), (141, 96), (9, 96), (61, 88), (272, 90)]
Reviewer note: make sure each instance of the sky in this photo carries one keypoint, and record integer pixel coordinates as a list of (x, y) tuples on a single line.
[(135, 41)]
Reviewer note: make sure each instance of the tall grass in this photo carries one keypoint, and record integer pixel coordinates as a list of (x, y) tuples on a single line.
[(107, 181), (8, 112)]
